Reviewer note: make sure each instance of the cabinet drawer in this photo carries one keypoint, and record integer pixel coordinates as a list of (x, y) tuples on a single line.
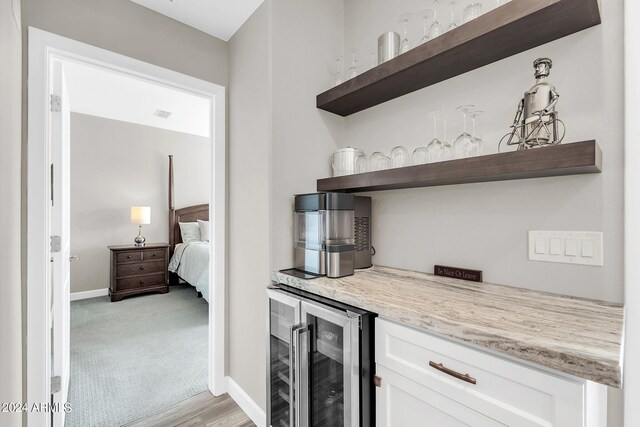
[(137, 268), (505, 391), (128, 256), (153, 254), (140, 281)]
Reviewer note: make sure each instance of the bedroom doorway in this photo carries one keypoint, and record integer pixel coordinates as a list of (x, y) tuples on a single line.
[(48, 252)]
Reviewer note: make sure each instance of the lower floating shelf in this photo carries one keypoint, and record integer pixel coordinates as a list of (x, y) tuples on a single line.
[(565, 159)]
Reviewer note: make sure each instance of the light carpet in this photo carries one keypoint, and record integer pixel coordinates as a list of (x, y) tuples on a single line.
[(133, 358)]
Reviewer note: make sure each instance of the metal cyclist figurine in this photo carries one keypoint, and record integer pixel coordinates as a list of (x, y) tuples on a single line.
[(536, 123)]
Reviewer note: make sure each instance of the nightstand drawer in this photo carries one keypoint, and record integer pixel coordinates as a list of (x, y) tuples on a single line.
[(140, 281), (153, 254), (138, 268), (129, 256)]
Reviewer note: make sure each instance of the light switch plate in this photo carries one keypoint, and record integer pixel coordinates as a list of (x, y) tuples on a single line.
[(568, 247)]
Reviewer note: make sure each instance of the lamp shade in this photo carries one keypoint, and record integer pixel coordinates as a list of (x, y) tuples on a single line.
[(140, 215)]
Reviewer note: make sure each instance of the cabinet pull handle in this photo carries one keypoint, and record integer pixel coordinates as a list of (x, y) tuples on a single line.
[(128, 256), (154, 254), (141, 268), (141, 282), (464, 377)]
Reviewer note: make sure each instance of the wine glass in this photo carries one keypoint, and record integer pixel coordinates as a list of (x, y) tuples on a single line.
[(462, 144), (453, 23), (425, 15), (446, 148), (434, 148), (476, 141), (404, 44), (337, 76), (399, 157), (420, 156), (472, 11), (436, 28), (353, 69)]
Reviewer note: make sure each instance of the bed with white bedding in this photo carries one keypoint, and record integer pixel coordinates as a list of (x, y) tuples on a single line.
[(190, 262)]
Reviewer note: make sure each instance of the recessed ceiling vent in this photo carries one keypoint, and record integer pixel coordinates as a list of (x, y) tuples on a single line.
[(162, 114)]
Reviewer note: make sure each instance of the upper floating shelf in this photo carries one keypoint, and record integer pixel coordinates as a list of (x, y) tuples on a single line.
[(509, 29), (566, 159)]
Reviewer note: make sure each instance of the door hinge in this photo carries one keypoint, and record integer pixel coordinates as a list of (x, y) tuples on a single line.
[(56, 244), (56, 103), (377, 381), (56, 384)]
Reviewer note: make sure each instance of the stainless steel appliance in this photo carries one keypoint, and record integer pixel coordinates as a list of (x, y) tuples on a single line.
[(362, 232), (388, 46), (324, 234), (320, 361)]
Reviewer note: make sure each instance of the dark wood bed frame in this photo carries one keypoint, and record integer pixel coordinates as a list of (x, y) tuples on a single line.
[(186, 214)]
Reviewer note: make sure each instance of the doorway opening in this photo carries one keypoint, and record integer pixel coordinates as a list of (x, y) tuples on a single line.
[(52, 62)]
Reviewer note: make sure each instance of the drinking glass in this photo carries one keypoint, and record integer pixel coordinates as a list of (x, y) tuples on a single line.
[(472, 11), (436, 28), (404, 44), (454, 22), (446, 152), (476, 140), (337, 76), (353, 69), (379, 161), (399, 157), (425, 15), (462, 144), (434, 148), (420, 156), (361, 164)]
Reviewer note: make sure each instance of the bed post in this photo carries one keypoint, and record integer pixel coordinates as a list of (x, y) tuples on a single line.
[(173, 278)]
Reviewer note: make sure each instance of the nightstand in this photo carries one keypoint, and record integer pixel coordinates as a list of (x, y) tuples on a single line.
[(138, 269)]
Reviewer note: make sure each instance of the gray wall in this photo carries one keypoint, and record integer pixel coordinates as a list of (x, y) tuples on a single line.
[(279, 144), (248, 233), (10, 294), (116, 165), (485, 225)]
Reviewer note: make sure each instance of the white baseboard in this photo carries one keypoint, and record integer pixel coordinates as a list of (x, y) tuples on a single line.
[(246, 403), (89, 294)]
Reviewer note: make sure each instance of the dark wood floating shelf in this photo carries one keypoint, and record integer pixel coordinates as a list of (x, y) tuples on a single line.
[(566, 159), (509, 29)]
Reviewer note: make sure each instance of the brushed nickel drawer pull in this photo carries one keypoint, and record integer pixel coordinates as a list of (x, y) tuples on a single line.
[(464, 377)]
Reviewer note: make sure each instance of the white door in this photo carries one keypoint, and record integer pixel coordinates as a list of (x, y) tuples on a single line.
[(402, 402), (60, 230)]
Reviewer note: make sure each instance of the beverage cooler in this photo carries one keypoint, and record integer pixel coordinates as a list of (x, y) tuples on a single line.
[(320, 363)]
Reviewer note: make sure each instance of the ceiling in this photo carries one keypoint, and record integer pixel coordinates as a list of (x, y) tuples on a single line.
[(219, 18), (102, 93)]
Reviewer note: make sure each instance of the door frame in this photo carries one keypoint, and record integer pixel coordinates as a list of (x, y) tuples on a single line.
[(45, 47)]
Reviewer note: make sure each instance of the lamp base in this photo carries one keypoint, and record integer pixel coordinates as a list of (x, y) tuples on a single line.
[(139, 240)]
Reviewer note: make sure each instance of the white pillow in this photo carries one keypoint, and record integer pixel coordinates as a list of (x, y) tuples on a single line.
[(190, 232), (204, 230)]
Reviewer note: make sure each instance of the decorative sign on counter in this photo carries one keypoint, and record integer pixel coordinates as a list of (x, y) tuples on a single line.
[(458, 273)]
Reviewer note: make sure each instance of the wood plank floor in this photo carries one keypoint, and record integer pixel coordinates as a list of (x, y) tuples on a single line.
[(202, 410)]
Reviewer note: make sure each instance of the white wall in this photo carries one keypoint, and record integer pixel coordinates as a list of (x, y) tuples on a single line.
[(116, 165), (10, 290), (485, 225), (249, 162)]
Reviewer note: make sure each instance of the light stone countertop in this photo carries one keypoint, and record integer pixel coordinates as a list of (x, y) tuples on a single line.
[(577, 336)]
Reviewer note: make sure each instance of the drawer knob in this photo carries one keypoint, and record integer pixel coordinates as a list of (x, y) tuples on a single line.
[(128, 256), (141, 282), (464, 377), (141, 268), (154, 254)]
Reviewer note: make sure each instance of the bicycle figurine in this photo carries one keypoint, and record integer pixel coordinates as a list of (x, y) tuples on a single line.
[(536, 123)]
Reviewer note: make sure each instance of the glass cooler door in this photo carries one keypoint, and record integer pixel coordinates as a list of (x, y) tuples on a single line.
[(284, 312), (332, 359)]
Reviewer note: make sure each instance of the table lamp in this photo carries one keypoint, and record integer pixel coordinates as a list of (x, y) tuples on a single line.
[(140, 215)]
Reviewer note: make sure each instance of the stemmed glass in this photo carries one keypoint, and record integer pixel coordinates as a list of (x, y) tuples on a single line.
[(472, 11), (476, 141), (353, 69), (337, 76), (436, 28), (462, 144), (425, 15), (446, 148), (434, 148), (453, 23), (404, 44)]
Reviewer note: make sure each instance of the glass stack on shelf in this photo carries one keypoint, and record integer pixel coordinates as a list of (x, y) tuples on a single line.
[(282, 317)]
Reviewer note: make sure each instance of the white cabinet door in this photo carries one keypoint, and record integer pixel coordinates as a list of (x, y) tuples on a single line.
[(401, 402)]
